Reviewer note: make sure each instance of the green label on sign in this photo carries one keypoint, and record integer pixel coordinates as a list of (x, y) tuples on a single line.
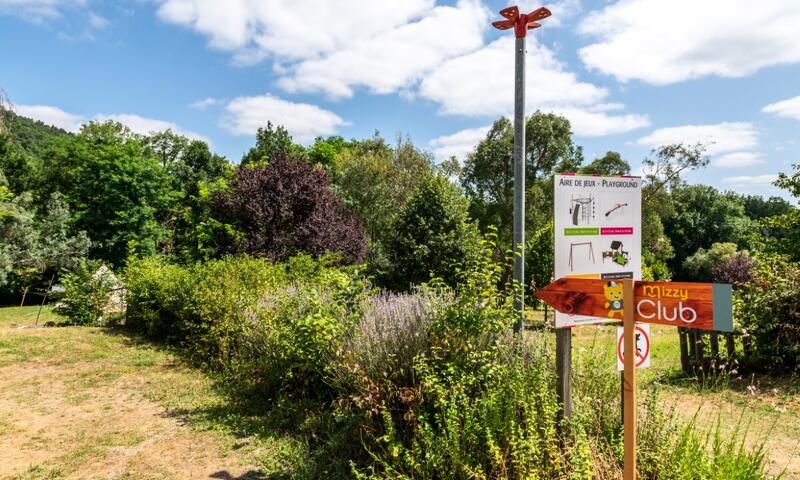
[(571, 232)]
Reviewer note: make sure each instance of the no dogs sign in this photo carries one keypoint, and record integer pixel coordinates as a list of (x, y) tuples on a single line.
[(642, 347)]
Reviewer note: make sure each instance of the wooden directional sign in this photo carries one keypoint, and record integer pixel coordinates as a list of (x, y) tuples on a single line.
[(704, 306)]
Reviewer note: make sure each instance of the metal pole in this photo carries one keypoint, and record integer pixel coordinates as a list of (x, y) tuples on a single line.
[(519, 182)]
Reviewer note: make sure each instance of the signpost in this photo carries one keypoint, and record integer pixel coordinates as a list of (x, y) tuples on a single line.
[(598, 234), (701, 306), (521, 23)]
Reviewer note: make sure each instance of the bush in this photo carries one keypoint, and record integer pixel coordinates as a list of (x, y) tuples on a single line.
[(87, 298), (768, 310)]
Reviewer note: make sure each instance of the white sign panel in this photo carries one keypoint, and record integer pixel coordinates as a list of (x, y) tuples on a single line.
[(598, 233), (642, 346)]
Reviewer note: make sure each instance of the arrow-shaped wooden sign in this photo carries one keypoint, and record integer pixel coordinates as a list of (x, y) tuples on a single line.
[(705, 306)]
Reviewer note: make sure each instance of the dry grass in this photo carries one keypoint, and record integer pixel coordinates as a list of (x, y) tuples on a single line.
[(83, 402)]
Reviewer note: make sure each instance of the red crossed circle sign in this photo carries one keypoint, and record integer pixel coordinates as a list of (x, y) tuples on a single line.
[(640, 356)]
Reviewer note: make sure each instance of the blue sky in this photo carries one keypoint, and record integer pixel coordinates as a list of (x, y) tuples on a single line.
[(629, 74)]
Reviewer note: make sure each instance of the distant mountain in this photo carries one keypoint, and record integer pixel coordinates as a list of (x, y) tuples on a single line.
[(31, 135)]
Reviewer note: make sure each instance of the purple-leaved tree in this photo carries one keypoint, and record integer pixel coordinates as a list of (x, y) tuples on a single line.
[(284, 208)]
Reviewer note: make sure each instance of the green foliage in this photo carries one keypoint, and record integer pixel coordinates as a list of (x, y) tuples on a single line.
[(375, 180), (610, 164), (433, 235), (539, 257), (36, 244), (88, 293), (269, 141), (702, 216), (768, 310), (700, 266), (488, 172), (270, 326), (118, 192)]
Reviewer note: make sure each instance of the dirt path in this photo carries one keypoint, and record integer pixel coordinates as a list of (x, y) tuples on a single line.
[(78, 403)]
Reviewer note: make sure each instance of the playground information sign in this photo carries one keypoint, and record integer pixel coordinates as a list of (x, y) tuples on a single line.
[(598, 232)]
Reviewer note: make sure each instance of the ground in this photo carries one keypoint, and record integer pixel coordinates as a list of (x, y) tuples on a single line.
[(79, 402), (767, 409)]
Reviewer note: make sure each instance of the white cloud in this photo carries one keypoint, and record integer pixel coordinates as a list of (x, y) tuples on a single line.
[(290, 29), (662, 42), (52, 116), (738, 159), (394, 59), (458, 144), (244, 115), (787, 108), (481, 84), (750, 180), (146, 126), (720, 138), (205, 103)]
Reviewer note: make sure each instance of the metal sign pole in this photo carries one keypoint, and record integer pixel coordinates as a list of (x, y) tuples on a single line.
[(521, 23), (519, 182)]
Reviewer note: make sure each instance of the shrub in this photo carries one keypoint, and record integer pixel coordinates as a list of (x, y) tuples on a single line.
[(433, 235), (769, 313), (285, 208), (87, 298), (375, 366)]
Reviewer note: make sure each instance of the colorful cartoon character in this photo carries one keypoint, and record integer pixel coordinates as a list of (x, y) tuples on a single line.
[(613, 293)]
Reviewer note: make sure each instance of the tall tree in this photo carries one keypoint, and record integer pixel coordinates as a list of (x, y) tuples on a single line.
[(488, 173), (119, 193)]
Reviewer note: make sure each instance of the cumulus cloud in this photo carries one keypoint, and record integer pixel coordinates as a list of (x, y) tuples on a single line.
[(458, 144), (394, 59), (481, 83), (290, 29), (52, 116), (719, 138), (662, 42), (787, 108), (244, 115)]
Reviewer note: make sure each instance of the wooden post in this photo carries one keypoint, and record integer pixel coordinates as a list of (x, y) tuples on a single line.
[(629, 334), (564, 370)]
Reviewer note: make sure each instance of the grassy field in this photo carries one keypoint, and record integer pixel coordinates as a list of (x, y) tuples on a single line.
[(80, 402)]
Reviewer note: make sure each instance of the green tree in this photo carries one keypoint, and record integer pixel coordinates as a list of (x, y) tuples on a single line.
[(270, 140), (120, 194), (325, 150), (701, 217), (610, 164), (488, 173), (433, 235)]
